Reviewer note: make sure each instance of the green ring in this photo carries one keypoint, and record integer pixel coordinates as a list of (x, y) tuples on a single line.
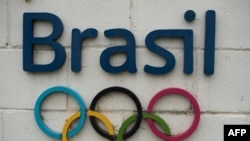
[(146, 115)]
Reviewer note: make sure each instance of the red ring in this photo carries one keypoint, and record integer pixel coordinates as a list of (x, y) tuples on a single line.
[(193, 126)]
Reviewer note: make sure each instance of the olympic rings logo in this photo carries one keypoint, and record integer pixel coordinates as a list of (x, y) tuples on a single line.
[(122, 133)]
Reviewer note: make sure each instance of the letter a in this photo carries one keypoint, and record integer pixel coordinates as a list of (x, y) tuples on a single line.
[(231, 132), (128, 49)]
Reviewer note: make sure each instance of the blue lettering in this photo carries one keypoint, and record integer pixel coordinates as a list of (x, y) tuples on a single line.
[(29, 41), (209, 50), (76, 46), (186, 34), (128, 49)]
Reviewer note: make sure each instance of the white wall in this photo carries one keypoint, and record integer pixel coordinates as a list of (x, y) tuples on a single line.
[(223, 97)]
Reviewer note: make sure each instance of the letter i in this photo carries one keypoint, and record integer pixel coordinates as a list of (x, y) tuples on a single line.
[(209, 50)]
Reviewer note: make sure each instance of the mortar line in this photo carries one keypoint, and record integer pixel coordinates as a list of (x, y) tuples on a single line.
[(131, 21), (2, 126), (8, 24), (125, 110)]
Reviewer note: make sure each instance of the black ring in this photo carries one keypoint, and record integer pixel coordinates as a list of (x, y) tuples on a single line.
[(137, 124)]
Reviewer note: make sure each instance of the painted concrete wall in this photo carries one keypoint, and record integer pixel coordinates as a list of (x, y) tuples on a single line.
[(223, 97)]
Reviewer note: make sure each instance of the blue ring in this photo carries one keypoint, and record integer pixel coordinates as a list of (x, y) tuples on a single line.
[(44, 127)]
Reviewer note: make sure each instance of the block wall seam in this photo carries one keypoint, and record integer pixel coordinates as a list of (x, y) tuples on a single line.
[(131, 14), (8, 44), (1, 125)]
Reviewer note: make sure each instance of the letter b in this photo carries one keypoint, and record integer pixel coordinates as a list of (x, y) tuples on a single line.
[(29, 41)]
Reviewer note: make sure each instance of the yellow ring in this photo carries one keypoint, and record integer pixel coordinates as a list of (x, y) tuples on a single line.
[(67, 124), (75, 116), (104, 119)]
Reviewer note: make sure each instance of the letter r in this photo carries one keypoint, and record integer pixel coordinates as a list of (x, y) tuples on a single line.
[(29, 41)]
